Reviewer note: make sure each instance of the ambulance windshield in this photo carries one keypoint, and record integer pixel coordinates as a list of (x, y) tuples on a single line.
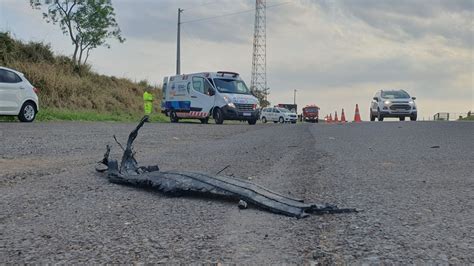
[(231, 86)]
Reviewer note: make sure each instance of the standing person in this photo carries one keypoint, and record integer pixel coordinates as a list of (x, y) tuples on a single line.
[(148, 101)]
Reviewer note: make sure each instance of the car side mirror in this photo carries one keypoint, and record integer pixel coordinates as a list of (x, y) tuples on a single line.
[(413, 98), (376, 99), (211, 92)]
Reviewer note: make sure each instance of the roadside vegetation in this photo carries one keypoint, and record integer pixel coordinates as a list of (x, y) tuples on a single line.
[(71, 92)]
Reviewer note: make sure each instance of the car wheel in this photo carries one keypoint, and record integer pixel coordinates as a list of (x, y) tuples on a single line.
[(173, 117), (372, 116), (27, 112), (252, 121), (218, 116), (293, 122), (281, 120), (204, 120), (402, 118), (275, 122), (264, 119), (413, 118), (379, 115)]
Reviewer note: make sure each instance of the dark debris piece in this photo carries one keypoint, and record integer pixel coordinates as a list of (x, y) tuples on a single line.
[(180, 182)]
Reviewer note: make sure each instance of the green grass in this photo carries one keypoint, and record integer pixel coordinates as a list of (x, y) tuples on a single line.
[(468, 118), (52, 114)]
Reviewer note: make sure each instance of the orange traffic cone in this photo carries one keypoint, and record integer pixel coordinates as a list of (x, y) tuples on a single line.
[(357, 114), (335, 117), (343, 116)]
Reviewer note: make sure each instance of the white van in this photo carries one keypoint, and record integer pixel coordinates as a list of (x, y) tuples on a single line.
[(221, 95)]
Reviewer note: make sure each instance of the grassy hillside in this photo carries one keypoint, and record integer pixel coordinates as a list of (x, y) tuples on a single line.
[(67, 92)]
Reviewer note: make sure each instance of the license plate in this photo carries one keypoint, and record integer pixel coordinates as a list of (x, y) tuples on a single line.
[(247, 114)]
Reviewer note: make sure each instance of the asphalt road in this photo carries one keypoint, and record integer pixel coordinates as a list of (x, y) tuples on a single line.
[(413, 180)]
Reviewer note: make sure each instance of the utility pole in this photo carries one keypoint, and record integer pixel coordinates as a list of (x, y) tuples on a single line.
[(294, 96), (178, 44)]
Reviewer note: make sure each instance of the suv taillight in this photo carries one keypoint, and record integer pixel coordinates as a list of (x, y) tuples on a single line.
[(35, 90)]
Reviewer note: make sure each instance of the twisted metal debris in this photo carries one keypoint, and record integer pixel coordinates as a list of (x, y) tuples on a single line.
[(181, 182)]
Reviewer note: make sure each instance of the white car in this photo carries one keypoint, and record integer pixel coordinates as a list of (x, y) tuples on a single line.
[(277, 114), (17, 95), (393, 103)]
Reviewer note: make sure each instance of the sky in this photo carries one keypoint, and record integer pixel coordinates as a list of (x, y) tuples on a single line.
[(334, 53)]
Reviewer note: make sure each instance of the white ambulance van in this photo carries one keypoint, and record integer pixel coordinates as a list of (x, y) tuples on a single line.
[(221, 95)]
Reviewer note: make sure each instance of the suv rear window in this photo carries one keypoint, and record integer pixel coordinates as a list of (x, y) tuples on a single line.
[(9, 77)]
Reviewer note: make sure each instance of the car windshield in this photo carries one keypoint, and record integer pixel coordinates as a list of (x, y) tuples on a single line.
[(395, 95), (284, 110), (231, 86)]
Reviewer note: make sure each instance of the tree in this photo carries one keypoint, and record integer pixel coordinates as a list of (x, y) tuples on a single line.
[(88, 23), (261, 96)]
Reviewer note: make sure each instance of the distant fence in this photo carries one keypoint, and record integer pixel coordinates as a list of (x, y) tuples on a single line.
[(444, 116)]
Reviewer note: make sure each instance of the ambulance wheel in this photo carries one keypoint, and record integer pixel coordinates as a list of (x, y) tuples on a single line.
[(204, 120), (218, 116), (252, 121), (173, 117), (264, 119)]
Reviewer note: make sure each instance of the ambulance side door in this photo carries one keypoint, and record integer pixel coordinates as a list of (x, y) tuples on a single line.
[(201, 101)]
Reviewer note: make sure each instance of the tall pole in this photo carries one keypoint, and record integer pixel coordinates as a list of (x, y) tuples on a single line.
[(178, 44), (294, 96), (259, 56)]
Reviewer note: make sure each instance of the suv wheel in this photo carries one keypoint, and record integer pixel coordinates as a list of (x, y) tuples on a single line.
[(281, 120), (27, 112), (402, 118), (372, 116), (264, 119), (379, 115), (413, 117)]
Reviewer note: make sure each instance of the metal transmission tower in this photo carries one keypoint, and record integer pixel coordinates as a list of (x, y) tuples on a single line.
[(259, 62)]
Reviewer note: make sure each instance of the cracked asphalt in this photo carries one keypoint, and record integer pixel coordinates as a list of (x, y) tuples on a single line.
[(414, 182)]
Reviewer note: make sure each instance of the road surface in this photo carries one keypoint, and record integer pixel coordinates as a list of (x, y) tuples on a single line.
[(413, 180)]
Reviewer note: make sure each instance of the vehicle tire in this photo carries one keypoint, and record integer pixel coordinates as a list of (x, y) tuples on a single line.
[(275, 122), (379, 115), (218, 116), (173, 117), (27, 112), (252, 121), (372, 116), (317, 120), (204, 120), (402, 118), (264, 119), (281, 120), (293, 122), (413, 117)]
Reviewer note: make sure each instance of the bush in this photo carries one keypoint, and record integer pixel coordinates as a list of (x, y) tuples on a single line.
[(62, 86)]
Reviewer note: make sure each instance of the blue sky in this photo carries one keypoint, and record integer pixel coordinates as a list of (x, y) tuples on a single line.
[(334, 53)]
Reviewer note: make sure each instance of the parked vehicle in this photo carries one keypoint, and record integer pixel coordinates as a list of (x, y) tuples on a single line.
[(17, 96), (278, 114), (393, 103), (310, 114), (221, 95)]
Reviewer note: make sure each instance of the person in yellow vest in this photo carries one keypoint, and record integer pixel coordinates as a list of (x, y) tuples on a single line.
[(148, 101)]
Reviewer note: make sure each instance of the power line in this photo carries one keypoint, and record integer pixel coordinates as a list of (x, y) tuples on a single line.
[(198, 6), (232, 14)]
